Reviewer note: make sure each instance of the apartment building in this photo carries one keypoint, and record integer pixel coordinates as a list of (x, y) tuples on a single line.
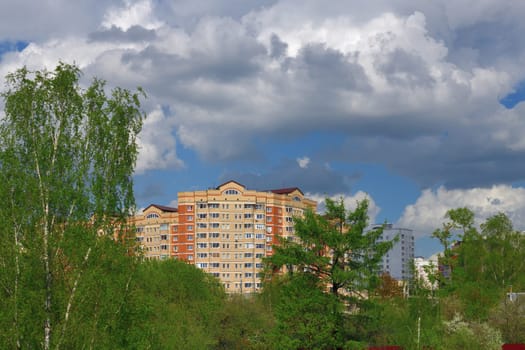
[(226, 231), (154, 227), (398, 260)]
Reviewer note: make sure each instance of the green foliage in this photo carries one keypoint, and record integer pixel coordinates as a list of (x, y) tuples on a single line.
[(66, 160), (306, 317), (171, 305), (336, 248), (331, 267), (245, 323)]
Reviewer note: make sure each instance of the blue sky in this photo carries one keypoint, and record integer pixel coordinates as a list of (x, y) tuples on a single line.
[(416, 106)]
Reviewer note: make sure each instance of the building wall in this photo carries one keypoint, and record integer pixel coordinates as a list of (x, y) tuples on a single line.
[(153, 229), (398, 260), (226, 231)]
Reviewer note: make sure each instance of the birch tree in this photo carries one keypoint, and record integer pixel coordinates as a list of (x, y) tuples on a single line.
[(66, 162)]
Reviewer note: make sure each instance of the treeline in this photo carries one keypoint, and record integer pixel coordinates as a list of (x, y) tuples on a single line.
[(70, 277)]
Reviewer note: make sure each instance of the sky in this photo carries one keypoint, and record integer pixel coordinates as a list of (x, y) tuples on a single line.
[(414, 105)]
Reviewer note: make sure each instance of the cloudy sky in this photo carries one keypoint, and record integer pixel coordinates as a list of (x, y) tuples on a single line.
[(412, 104)]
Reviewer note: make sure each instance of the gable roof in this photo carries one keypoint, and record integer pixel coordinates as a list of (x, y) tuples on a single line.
[(230, 181), (287, 190), (163, 208)]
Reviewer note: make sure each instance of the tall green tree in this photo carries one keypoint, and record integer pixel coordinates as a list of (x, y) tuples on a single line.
[(338, 256), (67, 156), (335, 247)]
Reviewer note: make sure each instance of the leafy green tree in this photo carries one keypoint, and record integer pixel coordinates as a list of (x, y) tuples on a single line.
[(66, 162), (334, 263), (244, 323), (171, 305), (336, 247), (306, 317)]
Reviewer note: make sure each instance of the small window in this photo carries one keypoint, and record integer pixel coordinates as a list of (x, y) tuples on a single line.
[(152, 216), (231, 192)]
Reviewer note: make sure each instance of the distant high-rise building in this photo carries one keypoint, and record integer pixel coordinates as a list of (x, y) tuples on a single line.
[(424, 268), (398, 260), (225, 231)]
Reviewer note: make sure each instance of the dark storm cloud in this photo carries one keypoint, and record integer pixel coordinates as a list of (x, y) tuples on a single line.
[(316, 178), (453, 160), (403, 68), (134, 33), (330, 69), (278, 47)]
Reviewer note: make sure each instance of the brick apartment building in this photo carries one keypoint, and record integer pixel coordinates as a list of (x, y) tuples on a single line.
[(225, 231)]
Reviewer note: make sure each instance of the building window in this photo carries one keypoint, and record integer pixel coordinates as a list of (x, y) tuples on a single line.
[(190, 257), (231, 192), (152, 216), (189, 227), (189, 208), (190, 247)]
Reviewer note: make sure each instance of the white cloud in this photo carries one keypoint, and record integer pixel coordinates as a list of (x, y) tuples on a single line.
[(132, 13), (157, 144), (383, 71), (303, 162), (428, 212), (350, 202)]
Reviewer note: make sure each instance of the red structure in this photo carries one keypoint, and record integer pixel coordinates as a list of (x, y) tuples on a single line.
[(513, 347)]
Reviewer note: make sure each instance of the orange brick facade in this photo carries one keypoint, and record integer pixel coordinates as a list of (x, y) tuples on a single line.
[(225, 231)]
